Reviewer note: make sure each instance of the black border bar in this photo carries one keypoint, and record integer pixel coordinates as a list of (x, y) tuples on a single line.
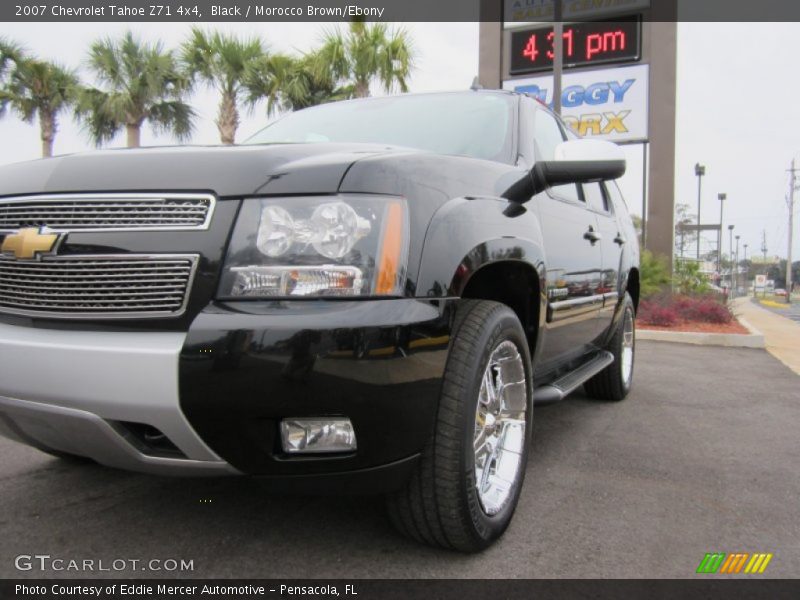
[(399, 589), (255, 11)]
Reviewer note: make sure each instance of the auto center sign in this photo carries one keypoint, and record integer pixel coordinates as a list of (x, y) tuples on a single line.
[(607, 104), (522, 11)]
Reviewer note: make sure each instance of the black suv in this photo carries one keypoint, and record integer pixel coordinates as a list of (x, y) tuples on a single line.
[(368, 295)]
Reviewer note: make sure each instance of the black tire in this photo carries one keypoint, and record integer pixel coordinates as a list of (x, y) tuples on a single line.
[(440, 505), (611, 383)]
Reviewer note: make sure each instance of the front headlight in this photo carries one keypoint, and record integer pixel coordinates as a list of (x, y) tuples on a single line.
[(345, 245)]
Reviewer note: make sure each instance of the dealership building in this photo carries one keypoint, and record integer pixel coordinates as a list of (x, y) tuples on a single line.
[(617, 82)]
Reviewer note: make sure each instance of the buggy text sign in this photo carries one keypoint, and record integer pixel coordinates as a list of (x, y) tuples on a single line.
[(609, 104)]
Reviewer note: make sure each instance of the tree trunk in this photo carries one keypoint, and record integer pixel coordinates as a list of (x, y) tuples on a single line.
[(228, 119), (47, 148), (362, 89), (47, 125), (134, 132)]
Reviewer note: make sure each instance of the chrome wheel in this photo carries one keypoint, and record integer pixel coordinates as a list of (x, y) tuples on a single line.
[(628, 340), (499, 440)]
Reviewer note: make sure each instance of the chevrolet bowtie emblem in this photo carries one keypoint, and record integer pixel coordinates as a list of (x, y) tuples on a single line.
[(30, 242)]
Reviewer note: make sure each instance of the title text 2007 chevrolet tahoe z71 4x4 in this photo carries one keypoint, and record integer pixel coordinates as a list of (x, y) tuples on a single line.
[(370, 293)]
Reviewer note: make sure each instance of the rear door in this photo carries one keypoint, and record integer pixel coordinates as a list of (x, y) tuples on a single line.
[(573, 257)]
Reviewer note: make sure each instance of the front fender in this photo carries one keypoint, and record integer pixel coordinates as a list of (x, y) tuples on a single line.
[(468, 234)]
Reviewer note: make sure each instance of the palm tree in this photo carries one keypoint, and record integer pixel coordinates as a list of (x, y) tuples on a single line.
[(35, 89), (366, 53), (142, 82), (221, 61), (290, 83), (9, 53)]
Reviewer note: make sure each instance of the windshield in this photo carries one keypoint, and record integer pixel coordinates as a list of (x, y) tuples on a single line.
[(463, 124)]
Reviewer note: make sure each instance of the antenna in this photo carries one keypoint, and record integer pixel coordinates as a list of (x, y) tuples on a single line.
[(476, 85)]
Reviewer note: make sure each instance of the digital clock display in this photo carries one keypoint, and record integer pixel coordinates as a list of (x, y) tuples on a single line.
[(590, 43)]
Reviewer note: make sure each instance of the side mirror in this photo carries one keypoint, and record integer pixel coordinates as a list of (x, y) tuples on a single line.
[(575, 161)]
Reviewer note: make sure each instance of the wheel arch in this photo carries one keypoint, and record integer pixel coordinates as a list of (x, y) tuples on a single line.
[(633, 287), (476, 248), (515, 282)]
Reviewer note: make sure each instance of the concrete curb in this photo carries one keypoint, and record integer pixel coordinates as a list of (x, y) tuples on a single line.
[(755, 339)]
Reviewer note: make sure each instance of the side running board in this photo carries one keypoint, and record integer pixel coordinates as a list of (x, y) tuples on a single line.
[(566, 384)]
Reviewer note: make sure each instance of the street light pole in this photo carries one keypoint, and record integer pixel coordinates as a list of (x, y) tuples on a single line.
[(746, 270), (730, 275), (722, 197), (792, 185), (699, 170), (736, 272)]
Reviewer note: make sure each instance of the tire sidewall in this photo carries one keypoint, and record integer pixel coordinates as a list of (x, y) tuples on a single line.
[(502, 326)]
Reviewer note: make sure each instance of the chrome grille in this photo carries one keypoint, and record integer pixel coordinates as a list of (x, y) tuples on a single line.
[(107, 212), (97, 286)]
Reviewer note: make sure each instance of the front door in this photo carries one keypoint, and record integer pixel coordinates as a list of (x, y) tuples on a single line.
[(574, 277), (573, 257)]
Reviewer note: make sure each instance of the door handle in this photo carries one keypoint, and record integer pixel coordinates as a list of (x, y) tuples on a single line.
[(592, 235), (620, 240)]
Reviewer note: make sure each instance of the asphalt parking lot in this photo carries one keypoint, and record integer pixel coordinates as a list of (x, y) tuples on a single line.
[(702, 457)]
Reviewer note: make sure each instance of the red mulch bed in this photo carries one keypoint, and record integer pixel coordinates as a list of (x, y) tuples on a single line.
[(694, 326)]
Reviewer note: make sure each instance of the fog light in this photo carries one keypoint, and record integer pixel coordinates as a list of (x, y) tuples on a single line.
[(317, 435)]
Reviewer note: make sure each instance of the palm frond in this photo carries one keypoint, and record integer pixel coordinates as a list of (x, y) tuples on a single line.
[(10, 53), (96, 111), (219, 59), (36, 87), (173, 116), (366, 53)]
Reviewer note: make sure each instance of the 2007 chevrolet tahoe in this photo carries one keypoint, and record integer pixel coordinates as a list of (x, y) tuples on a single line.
[(368, 295)]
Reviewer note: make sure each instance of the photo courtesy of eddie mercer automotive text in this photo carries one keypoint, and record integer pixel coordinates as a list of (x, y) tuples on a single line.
[(368, 296)]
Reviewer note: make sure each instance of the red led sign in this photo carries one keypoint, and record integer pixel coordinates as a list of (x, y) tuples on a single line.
[(597, 42)]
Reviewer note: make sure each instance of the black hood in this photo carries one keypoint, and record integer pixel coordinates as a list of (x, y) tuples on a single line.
[(226, 170)]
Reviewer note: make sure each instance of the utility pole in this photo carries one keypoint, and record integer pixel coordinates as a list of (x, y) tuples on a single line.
[(722, 197), (736, 273), (764, 254), (792, 183)]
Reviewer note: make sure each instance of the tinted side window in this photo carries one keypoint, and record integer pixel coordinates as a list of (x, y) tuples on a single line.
[(616, 197), (547, 135), (595, 197), (571, 135)]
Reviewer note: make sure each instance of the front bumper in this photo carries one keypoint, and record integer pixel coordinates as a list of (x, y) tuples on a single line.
[(218, 392), (75, 391), (247, 365)]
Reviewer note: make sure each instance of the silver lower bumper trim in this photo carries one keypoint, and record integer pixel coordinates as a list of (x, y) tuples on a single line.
[(64, 389), (85, 434)]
